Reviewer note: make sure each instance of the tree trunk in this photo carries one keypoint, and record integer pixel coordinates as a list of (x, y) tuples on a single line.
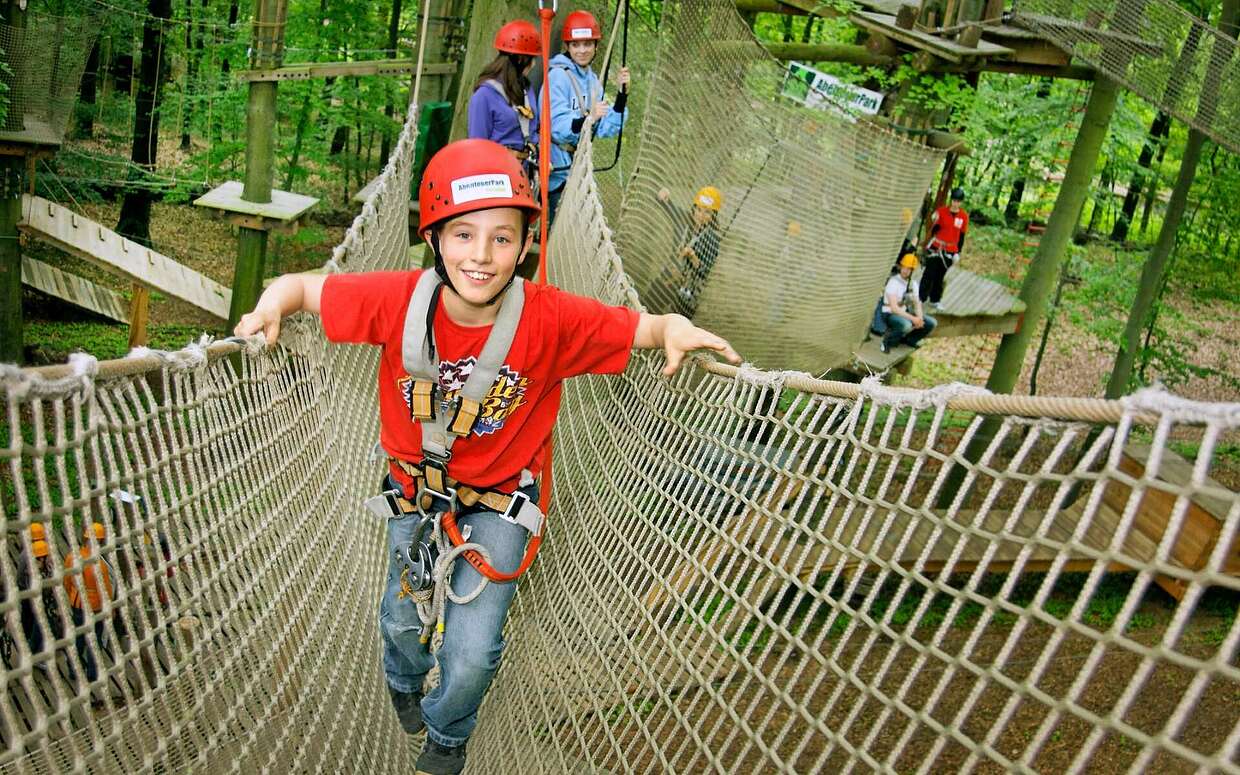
[(1011, 212), (135, 217), (1152, 274), (234, 11), (390, 110), (1154, 181), (808, 32), (86, 98), (191, 67)]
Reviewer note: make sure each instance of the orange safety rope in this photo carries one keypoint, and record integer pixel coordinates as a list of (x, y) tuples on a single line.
[(545, 16)]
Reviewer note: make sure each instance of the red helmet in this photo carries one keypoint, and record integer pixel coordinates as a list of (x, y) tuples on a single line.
[(581, 25), (518, 37), (471, 175)]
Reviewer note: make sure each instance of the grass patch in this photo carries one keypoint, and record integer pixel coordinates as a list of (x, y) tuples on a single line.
[(57, 339)]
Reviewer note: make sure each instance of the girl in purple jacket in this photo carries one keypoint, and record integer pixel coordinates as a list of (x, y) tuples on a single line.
[(504, 107)]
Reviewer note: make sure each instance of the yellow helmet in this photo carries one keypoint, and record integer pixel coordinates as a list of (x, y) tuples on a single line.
[(709, 198), (39, 548), (37, 532), (908, 261), (98, 529)]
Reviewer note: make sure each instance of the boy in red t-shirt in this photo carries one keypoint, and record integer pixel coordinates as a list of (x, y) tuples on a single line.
[(948, 228), (476, 214)]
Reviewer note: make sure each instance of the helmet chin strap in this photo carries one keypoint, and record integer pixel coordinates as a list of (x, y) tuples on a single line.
[(441, 269)]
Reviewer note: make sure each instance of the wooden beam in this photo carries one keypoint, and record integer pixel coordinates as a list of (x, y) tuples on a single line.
[(1070, 72), (827, 52), (75, 290), (336, 69), (86, 239)]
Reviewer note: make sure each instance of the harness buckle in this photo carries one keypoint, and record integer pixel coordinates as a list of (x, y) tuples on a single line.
[(524, 512), (447, 498)]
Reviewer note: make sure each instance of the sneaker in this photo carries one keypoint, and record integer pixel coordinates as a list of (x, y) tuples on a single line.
[(408, 706), (439, 759), (883, 346), (932, 306)]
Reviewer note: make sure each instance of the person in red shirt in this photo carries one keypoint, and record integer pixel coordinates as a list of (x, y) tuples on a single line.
[(948, 227), (476, 214)]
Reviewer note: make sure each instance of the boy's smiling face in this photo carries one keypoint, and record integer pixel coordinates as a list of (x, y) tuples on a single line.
[(481, 250)]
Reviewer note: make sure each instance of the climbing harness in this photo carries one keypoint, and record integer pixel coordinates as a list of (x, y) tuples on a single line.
[(525, 116), (437, 540)]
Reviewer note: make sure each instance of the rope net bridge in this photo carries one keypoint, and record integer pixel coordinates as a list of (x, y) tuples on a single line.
[(745, 570)]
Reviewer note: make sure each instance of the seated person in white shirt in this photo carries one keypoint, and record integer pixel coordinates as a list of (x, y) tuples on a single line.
[(904, 321)]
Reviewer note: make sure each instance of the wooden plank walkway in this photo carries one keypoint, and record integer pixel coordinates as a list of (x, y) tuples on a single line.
[(885, 24), (82, 237), (75, 290), (966, 540)]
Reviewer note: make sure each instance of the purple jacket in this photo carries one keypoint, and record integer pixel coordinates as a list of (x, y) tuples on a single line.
[(492, 118)]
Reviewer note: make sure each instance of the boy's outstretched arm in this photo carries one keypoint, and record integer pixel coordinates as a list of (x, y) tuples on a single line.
[(677, 336), (288, 294)]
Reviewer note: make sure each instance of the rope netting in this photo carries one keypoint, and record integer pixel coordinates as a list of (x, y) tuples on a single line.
[(745, 570), (815, 204), (1176, 61), (43, 62)]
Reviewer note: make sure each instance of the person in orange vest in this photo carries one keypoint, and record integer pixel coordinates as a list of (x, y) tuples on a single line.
[(40, 563), (88, 588)]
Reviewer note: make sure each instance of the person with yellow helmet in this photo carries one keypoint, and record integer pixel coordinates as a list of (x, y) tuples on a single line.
[(900, 318), (697, 247), (88, 588), (40, 564), (471, 368)]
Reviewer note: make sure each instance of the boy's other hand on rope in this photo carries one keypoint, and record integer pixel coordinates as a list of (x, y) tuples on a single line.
[(678, 337), (265, 320), (624, 78)]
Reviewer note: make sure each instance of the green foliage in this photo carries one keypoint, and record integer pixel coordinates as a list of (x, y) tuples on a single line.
[(103, 340)]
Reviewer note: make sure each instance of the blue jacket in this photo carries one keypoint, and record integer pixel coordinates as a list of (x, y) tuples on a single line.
[(565, 109), (492, 118)]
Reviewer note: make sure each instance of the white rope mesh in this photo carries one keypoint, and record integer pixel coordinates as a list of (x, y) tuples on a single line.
[(745, 570), (1178, 62)]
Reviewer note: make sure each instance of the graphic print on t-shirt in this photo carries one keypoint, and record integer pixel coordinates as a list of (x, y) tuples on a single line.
[(506, 395)]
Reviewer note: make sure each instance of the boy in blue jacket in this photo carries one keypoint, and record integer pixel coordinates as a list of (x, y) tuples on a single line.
[(576, 93)]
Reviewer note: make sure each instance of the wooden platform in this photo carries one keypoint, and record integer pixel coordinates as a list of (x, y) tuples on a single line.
[(283, 213), (76, 234), (75, 290), (885, 24), (998, 541)]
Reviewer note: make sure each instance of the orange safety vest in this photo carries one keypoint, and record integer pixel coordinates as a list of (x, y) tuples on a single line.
[(93, 595)]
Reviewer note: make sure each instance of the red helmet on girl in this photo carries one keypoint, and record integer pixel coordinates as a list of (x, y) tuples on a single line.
[(518, 37), (581, 25), (471, 175)]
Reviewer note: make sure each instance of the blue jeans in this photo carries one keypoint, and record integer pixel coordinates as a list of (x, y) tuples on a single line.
[(900, 330), (472, 640)]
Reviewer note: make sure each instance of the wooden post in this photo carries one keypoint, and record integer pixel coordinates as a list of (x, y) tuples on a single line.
[(260, 124), (139, 314), (12, 172)]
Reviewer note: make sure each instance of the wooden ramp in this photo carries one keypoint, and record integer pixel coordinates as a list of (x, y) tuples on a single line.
[(75, 290), (998, 540), (76, 234)]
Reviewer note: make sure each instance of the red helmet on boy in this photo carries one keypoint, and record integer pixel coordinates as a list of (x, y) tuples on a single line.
[(518, 37), (581, 25), (471, 175)]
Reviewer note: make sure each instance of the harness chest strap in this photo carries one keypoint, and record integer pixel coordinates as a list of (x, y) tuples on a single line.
[(583, 106), (440, 429), (525, 114)]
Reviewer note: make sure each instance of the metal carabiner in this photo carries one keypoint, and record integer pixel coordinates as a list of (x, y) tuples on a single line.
[(554, 4)]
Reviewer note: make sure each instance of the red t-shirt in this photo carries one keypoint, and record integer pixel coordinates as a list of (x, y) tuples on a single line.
[(560, 335), (951, 226)]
